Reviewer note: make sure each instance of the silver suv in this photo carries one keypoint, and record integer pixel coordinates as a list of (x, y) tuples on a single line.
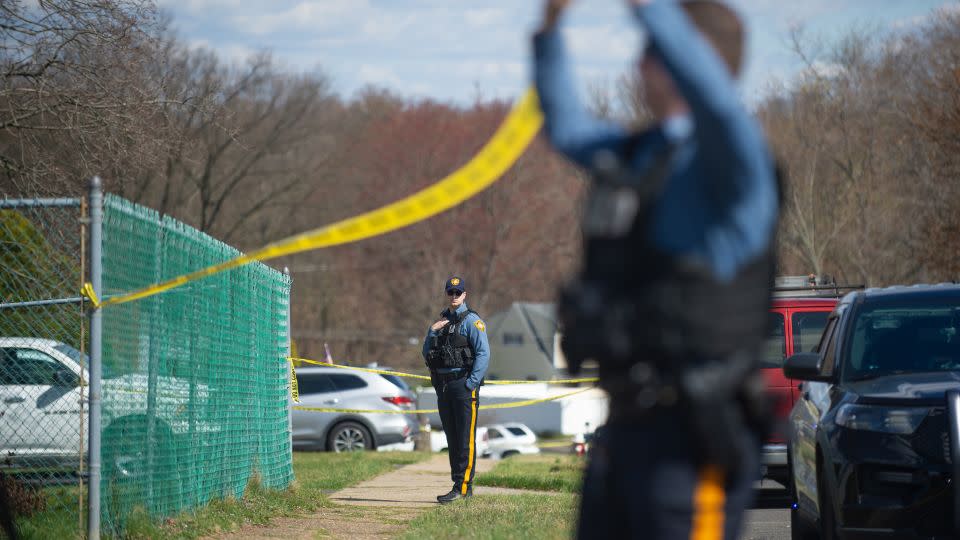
[(343, 432)]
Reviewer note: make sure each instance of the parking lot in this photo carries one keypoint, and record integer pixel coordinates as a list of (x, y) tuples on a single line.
[(769, 518)]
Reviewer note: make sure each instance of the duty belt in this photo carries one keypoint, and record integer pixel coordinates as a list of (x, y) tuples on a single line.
[(447, 377)]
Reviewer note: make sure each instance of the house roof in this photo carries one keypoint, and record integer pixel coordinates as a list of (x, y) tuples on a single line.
[(538, 320)]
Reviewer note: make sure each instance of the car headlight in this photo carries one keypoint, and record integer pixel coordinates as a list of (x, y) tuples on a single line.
[(898, 420)]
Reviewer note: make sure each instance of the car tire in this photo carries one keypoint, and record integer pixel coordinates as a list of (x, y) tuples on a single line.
[(800, 529), (509, 453), (128, 480), (349, 437), (828, 519)]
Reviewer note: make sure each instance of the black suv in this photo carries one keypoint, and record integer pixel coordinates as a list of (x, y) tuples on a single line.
[(873, 440)]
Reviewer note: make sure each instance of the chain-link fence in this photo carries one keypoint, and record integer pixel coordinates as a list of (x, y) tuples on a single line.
[(194, 386), (43, 417)]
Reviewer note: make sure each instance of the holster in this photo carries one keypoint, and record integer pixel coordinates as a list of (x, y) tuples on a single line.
[(727, 408), (723, 403)]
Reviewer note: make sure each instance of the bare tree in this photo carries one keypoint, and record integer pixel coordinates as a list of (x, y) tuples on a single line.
[(255, 140), (75, 98)]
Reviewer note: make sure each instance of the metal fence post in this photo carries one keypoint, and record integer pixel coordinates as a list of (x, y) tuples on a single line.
[(96, 354)]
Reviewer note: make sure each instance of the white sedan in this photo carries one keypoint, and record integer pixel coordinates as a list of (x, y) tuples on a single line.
[(512, 438)]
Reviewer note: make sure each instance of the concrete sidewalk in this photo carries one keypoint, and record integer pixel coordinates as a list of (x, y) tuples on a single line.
[(377, 509), (415, 486)]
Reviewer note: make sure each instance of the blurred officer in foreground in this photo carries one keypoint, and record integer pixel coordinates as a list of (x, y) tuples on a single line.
[(458, 355), (673, 294)]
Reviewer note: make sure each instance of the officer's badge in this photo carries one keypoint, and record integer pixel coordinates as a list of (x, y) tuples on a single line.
[(480, 326), (455, 281)]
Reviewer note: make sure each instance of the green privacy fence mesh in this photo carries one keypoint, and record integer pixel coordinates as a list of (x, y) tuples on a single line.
[(195, 380)]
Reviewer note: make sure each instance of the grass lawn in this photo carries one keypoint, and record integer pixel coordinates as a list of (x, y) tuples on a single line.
[(316, 473), (499, 516), (542, 473)]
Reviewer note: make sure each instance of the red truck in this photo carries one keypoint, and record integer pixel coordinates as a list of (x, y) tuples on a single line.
[(798, 315)]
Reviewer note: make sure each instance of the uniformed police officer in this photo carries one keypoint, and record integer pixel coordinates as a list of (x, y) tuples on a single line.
[(673, 294), (457, 353)]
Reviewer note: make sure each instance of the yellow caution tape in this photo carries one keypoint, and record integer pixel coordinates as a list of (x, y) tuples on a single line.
[(90, 294), (294, 387), (501, 151), (509, 405), (367, 370), (424, 377)]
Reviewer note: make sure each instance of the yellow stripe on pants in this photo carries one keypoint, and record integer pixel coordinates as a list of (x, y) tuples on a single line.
[(709, 499), (471, 451)]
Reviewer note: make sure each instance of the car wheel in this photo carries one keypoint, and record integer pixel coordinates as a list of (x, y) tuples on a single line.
[(509, 453), (130, 479), (349, 437), (828, 520), (799, 528)]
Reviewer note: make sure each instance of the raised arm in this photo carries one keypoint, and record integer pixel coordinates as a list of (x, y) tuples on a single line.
[(571, 128), (740, 179)]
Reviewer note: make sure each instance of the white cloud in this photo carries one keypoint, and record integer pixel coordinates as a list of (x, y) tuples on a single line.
[(306, 15), (485, 69), (484, 17), (237, 52), (825, 70), (197, 7), (443, 48), (607, 42), (378, 75), (910, 23)]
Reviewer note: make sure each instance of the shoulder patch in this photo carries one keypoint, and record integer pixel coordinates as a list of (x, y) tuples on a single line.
[(480, 326)]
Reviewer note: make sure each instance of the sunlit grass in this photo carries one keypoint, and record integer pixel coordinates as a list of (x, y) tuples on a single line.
[(541, 473), (316, 473), (489, 517)]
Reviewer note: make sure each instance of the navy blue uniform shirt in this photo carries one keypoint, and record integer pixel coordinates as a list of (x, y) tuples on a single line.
[(476, 332), (718, 207)]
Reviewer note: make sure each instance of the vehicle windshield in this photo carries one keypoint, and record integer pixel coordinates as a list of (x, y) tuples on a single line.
[(892, 338), (75, 355), (83, 359)]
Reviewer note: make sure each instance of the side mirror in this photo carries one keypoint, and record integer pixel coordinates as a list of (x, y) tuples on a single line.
[(805, 367), (66, 379)]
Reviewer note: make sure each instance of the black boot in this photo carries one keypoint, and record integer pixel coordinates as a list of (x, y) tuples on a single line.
[(455, 494)]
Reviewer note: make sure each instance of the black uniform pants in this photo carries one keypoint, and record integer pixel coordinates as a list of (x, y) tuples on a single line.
[(641, 482), (458, 413)]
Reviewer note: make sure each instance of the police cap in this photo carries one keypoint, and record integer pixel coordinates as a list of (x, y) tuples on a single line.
[(455, 283)]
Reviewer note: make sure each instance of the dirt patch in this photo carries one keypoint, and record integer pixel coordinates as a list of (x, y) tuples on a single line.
[(339, 522)]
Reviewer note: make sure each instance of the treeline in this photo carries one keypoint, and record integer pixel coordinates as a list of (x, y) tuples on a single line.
[(870, 138), (251, 153)]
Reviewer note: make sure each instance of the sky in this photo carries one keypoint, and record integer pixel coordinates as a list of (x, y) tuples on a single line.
[(456, 51)]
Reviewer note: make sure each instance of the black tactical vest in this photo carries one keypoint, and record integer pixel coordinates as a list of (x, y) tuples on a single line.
[(449, 349), (633, 303)]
